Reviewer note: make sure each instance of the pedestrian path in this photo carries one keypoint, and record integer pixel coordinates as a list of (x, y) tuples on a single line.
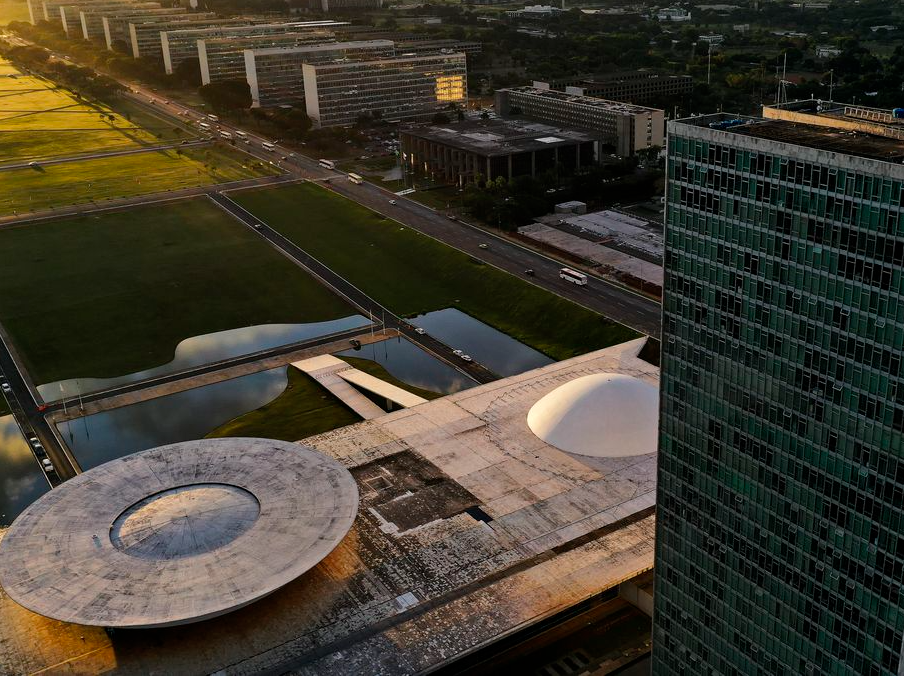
[(344, 381)]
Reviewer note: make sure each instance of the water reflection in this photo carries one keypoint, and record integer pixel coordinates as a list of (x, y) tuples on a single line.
[(21, 480), (208, 348), (410, 364), (497, 351), (183, 416)]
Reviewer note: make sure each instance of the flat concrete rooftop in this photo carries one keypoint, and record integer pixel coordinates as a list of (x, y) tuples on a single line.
[(500, 137), (469, 527), (859, 144)]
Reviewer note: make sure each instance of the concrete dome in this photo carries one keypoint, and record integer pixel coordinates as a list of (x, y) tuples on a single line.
[(606, 415)]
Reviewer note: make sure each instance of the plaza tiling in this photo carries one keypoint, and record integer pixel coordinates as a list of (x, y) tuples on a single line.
[(469, 527)]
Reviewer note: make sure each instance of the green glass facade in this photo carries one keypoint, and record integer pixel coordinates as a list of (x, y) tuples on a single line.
[(780, 533)]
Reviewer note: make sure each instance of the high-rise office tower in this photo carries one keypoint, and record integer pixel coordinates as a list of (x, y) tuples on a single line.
[(780, 534)]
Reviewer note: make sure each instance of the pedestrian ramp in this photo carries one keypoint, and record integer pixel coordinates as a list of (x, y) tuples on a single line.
[(345, 382)]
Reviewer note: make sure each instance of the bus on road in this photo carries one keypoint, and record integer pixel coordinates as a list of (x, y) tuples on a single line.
[(240, 133), (266, 145), (204, 126), (573, 276), (327, 164), (356, 179), (225, 134)]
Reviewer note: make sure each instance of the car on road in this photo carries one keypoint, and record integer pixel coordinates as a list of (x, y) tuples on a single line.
[(419, 331), (466, 357), (35, 444), (47, 465), (452, 217), (393, 202), (6, 388), (484, 246), (529, 271), (257, 226), (33, 164), (457, 353), (166, 103)]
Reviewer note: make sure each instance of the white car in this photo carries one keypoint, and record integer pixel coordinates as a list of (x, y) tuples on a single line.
[(393, 202), (419, 331), (47, 465), (6, 388), (457, 353), (466, 357)]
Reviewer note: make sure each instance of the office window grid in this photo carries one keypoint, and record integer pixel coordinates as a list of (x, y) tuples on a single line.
[(781, 477)]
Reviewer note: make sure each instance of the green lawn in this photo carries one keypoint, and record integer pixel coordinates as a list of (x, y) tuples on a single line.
[(411, 273), (39, 120), (83, 181), (304, 409), (105, 295)]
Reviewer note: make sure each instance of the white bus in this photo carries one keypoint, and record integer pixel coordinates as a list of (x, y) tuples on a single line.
[(356, 179), (204, 125), (573, 276), (225, 134), (240, 134), (327, 164), (266, 145), (211, 116)]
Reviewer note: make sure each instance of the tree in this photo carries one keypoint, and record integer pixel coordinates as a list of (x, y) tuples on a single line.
[(227, 95), (189, 72)]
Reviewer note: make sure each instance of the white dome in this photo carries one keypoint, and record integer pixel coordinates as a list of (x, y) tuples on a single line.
[(606, 415)]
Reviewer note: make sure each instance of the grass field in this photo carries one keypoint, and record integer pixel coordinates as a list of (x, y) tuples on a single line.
[(39, 120), (81, 181), (411, 273), (304, 409), (13, 10), (106, 295)]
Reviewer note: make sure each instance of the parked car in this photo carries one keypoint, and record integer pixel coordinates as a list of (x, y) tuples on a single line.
[(47, 465)]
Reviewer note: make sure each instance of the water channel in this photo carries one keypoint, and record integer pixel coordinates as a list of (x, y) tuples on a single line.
[(21, 480), (497, 351), (206, 349)]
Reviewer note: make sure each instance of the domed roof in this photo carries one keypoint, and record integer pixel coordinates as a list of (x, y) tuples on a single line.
[(605, 415)]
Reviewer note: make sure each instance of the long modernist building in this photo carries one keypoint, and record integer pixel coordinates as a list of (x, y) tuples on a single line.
[(180, 44), (639, 86), (92, 18), (463, 152), (276, 77), (116, 25), (224, 58), (49, 10), (71, 18), (393, 89), (625, 127), (146, 39)]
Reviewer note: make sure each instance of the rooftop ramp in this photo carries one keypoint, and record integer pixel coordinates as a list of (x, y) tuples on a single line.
[(342, 379)]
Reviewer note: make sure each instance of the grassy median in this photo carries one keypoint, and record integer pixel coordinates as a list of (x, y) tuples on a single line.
[(305, 408), (412, 273), (114, 293)]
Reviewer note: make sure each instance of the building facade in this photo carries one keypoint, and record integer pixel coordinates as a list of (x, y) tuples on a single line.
[(398, 88), (180, 44), (146, 40), (627, 128), (70, 14), (780, 535), (91, 18), (224, 58), (632, 87), (116, 24), (465, 152), (276, 77)]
